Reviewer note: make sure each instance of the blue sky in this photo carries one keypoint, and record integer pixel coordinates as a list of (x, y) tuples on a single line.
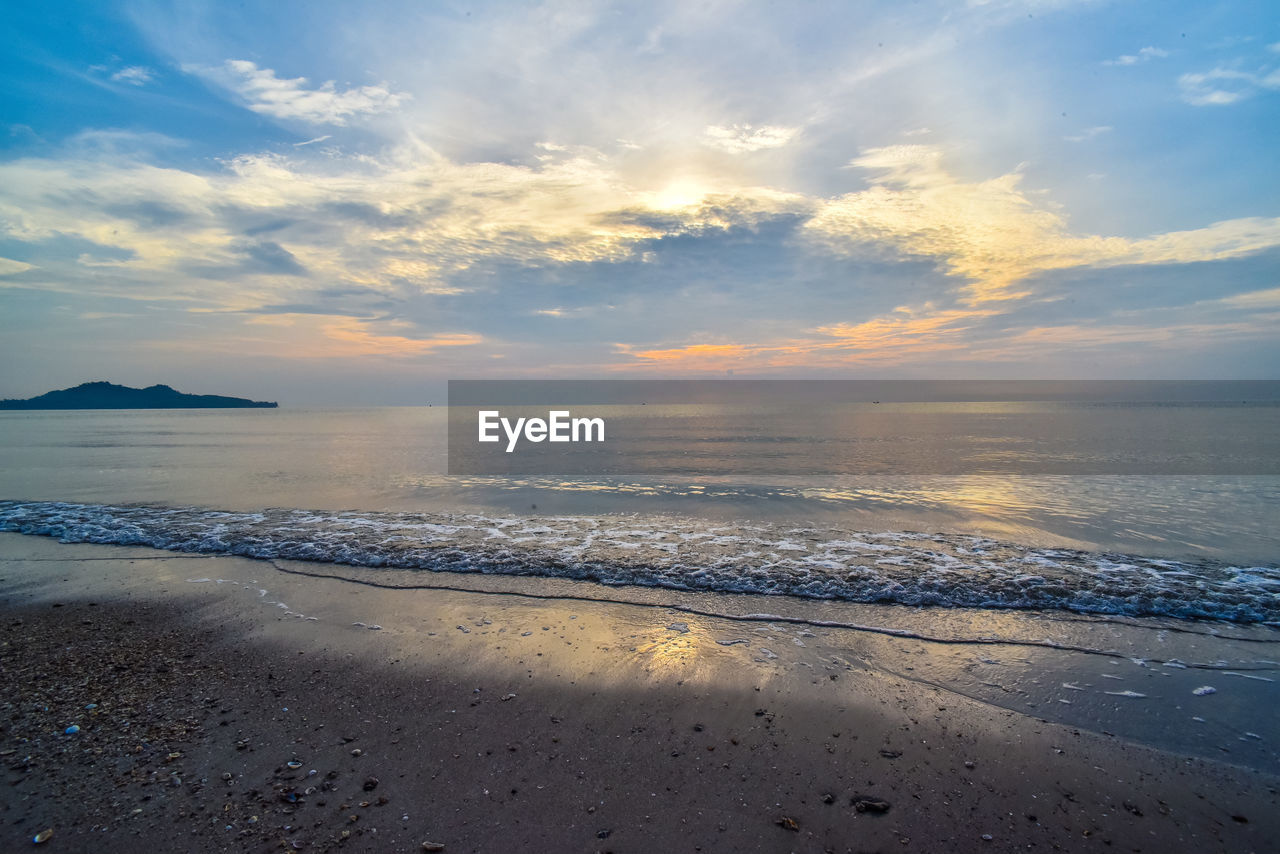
[(323, 204)]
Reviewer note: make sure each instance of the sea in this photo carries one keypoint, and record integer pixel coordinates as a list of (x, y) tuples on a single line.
[(368, 488), (1055, 579)]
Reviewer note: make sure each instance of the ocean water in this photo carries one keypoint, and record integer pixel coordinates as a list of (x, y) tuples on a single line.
[(367, 488), (1145, 606)]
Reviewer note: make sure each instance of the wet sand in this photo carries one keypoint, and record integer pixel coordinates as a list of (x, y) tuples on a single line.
[(492, 723)]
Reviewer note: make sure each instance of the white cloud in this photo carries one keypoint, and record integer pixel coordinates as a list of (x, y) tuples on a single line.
[(411, 221), (992, 233), (415, 222), (290, 98), (1265, 299), (1089, 133), (739, 139), (1144, 55), (1223, 86), (8, 266), (136, 75)]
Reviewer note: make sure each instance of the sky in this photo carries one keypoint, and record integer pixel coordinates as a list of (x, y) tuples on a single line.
[(330, 203)]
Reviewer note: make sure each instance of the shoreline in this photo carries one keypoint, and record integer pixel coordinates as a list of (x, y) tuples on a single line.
[(621, 721)]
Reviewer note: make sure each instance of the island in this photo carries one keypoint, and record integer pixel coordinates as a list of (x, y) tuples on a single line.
[(104, 395)]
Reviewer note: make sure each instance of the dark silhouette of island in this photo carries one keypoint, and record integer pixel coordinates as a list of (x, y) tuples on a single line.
[(103, 395)]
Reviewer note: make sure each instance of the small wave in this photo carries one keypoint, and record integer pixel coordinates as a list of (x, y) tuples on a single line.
[(910, 568)]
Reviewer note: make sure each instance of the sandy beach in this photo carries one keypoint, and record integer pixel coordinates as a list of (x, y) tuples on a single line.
[(228, 718)]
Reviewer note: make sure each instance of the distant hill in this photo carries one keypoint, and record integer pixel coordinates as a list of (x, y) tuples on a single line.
[(102, 395)]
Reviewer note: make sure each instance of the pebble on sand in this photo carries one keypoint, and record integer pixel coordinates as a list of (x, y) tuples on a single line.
[(863, 803)]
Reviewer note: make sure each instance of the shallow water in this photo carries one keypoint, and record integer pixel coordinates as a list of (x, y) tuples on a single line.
[(394, 459), (366, 488), (775, 558)]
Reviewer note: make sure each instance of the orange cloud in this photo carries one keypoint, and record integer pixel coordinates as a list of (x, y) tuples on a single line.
[(327, 336), (357, 339), (902, 336), (905, 330), (693, 351)]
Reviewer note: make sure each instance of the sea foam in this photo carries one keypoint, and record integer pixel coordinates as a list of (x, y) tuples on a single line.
[(910, 568)]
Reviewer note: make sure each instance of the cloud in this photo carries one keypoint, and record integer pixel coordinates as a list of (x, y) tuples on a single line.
[(272, 258), (1222, 86), (264, 229), (741, 139), (135, 75), (415, 222), (1144, 55), (8, 266), (991, 233), (1089, 133), (290, 98), (313, 141), (905, 330), (1269, 298), (348, 337), (1036, 341), (902, 336), (317, 335), (931, 336), (455, 244), (104, 315)]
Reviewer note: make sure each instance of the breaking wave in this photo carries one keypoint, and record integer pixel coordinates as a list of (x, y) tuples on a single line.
[(910, 568)]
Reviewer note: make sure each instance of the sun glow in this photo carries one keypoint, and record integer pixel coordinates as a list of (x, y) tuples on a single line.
[(676, 195)]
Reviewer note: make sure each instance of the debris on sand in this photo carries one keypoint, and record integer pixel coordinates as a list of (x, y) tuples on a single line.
[(866, 803), (788, 823)]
